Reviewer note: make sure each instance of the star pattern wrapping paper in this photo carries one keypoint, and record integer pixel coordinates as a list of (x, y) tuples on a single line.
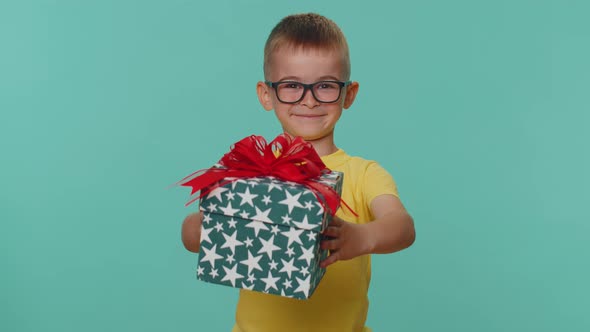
[(263, 234)]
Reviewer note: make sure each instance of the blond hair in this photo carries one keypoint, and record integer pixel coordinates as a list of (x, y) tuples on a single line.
[(307, 31)]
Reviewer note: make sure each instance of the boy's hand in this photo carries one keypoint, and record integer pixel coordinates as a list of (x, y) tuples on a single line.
[(347, 241), (191, 231)]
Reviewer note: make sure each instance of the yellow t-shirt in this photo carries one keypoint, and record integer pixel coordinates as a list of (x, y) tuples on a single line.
[(340, 302)]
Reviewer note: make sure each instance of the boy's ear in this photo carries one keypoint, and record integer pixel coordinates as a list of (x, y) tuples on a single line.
[(264, 95), (351, 92)]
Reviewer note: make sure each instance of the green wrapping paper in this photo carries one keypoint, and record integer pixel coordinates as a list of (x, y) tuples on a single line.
[(263, 234)]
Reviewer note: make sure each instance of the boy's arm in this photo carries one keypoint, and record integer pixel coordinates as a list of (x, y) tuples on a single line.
[(393, 227), (191, 231), (391, 231)]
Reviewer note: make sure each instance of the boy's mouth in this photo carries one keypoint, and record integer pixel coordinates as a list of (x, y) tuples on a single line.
[(308, 115)]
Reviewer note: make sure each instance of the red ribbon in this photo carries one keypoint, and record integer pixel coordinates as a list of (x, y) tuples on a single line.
[(286, 158)]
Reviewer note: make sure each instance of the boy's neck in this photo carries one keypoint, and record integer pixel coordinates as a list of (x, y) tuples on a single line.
[(324, 146)]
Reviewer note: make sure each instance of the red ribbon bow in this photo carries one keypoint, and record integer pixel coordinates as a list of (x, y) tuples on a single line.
[(289, 159)]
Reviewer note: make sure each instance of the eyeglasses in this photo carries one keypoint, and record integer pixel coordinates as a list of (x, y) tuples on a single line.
[(291, 92)]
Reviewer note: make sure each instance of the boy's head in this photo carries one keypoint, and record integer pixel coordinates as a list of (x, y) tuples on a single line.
[(307, 32), (307, 72)]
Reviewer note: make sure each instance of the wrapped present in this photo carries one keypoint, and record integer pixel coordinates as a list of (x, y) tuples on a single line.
[(262, 229)]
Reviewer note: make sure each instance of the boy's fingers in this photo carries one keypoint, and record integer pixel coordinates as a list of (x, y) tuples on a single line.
[(333, 258), (332, 231), (333, 244), (330, 244)]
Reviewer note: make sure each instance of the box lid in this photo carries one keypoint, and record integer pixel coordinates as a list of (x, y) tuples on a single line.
[(270, 200)]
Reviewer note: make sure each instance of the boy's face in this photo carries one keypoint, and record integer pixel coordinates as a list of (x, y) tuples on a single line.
[(308, 118)]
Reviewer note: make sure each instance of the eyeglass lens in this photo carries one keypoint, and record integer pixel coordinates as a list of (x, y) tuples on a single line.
[(325, 92)]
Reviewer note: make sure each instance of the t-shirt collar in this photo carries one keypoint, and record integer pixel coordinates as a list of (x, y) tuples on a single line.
[(335, 159)]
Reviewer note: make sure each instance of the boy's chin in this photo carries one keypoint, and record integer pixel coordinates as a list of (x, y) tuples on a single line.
[(307, 137)]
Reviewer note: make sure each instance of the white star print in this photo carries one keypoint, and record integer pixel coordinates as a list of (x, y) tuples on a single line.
[(287, 284), (266, 200), (321, 210), (252, 262), (290, 252), (293, 235), (304, 271), (230, 195), (268, 246), (230, 258), (311, 236), (211, 256), (217, 193), (231, 275), (308, 205), (218, 227), (262, 215), (212, 207), (253, 183), (307, 254), (206, 218), (274, 229), (200, 270), (304, 224), (228, 210), (272, 185), (244, 286), (244, 214), (272, 265), (270, 281), (205, 234), (303, 286), (247, 197), (213, 273), (257, 225), (248, 242), (231, 242), (232, 223), (286, 219), (235, 182), (291, 201), (251, 278), (288, 267)]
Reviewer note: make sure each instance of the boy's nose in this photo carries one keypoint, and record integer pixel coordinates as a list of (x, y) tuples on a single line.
[(309, 100)]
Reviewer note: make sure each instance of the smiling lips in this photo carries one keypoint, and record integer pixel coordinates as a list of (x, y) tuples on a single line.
[(308, 115)]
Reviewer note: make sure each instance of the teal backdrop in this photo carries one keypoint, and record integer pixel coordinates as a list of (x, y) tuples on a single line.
[(479, 109)]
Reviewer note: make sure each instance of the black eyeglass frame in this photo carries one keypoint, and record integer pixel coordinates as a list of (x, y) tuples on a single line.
[(307, 87)]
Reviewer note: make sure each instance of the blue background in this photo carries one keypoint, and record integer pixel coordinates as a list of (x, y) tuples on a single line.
[(479, 109)]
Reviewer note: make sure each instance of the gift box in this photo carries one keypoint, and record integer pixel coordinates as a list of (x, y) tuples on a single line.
[(264, 208), (263, 234)]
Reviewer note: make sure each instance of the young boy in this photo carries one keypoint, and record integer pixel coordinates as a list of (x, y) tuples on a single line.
[(307, 70)]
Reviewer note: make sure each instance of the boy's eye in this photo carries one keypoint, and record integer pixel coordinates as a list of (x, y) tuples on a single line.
[(291, 86), (327, 85)]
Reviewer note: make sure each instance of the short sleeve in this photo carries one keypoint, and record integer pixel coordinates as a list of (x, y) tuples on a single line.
[(377, 182)]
